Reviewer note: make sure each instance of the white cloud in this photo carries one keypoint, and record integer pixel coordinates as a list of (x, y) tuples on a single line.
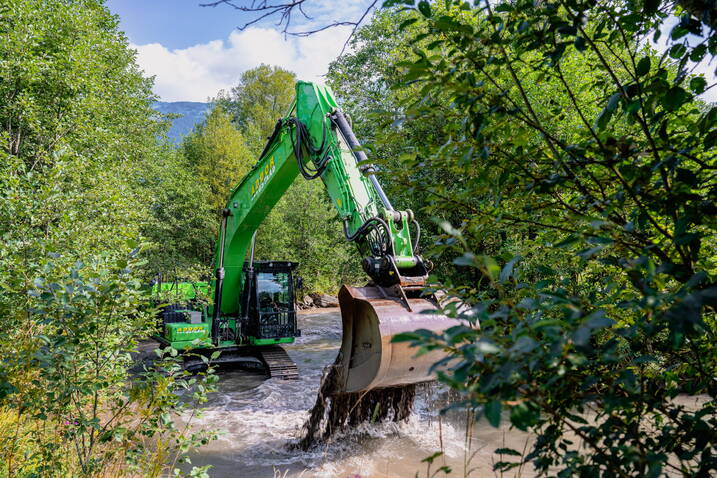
[(200, 71)]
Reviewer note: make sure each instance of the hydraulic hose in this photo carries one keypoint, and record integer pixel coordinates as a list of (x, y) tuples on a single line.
[(301, 142), (365, 229), (418, 236)]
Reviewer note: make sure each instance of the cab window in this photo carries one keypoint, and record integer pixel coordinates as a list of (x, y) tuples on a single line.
[(273, 291)]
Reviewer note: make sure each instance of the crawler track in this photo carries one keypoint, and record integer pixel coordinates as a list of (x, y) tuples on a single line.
[(278, 363)]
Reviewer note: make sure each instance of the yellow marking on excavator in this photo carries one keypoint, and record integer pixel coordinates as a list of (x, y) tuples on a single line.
[(189, 329)]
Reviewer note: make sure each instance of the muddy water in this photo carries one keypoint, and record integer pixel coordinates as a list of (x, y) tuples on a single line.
[(259, 418)]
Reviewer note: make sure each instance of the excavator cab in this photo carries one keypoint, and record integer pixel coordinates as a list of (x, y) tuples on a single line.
[(268, 306)]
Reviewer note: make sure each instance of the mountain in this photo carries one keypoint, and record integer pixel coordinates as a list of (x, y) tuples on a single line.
[(191, 112)]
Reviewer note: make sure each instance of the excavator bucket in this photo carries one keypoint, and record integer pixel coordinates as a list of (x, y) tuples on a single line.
[(371, 317)]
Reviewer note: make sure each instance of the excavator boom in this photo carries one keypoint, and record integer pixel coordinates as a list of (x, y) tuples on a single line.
[(254, 305), (316, 141)]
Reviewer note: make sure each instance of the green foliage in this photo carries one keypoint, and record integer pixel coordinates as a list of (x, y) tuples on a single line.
[(366, 82), (181, 228), (303, 227), (579, 208), (218, 154), (80, 177), (70, 83), (262, 96)]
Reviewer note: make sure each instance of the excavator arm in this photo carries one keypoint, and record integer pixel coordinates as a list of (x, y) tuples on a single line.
[(315, 141)]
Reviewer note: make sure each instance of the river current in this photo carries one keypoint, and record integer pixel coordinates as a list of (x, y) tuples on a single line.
[(259, 418)]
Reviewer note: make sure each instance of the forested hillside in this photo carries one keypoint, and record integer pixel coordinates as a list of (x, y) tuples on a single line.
[(184, 116)]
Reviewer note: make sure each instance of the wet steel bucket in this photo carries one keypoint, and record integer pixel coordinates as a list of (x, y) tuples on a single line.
[(371, 318)]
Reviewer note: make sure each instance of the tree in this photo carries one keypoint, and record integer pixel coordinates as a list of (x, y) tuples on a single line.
[(76, 131), (598, 157), (262, 96), (287, 11), (369, 86), (219, 155), (303, 227), (183, 220)]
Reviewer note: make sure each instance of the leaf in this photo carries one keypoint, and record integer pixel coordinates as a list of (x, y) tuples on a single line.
[(425, 8), (698, 53), (613, 101), (633, 106), (674, 98), (467, 259), (606, 114), (448, 228), (458, 333), (677, 51), (587, 254), (599, 321), (406, 23), (678, 32), (711, 139), (523, 345), (643, 66), (487, 347), (492, 411), (654, 470), (548, 323), (580, 43), (405, 337), (698, 85), (504, 466), (507, 451), (431, 459), (507, 271), (522, 416), (491, 266), (568, 241)]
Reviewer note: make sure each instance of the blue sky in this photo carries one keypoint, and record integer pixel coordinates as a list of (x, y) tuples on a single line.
[(194, 52), (174, 23)]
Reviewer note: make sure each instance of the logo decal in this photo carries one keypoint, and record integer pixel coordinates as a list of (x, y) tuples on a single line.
[(261, 180), (185, 330)]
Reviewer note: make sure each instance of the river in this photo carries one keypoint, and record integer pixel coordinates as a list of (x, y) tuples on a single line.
[(259, 418)]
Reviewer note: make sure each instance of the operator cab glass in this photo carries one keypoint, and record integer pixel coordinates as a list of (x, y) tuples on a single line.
[(269, 301), (272, 290)]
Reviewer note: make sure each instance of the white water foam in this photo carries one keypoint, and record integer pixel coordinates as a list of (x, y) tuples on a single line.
[(261, 418)]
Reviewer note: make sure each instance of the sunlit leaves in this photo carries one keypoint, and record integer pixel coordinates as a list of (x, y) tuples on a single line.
[(564, 139), (81, 149)]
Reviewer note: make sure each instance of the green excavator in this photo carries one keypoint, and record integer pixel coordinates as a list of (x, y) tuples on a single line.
[(253, 309)]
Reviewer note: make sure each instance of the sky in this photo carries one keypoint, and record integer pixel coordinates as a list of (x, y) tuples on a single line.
[(194, 51)]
